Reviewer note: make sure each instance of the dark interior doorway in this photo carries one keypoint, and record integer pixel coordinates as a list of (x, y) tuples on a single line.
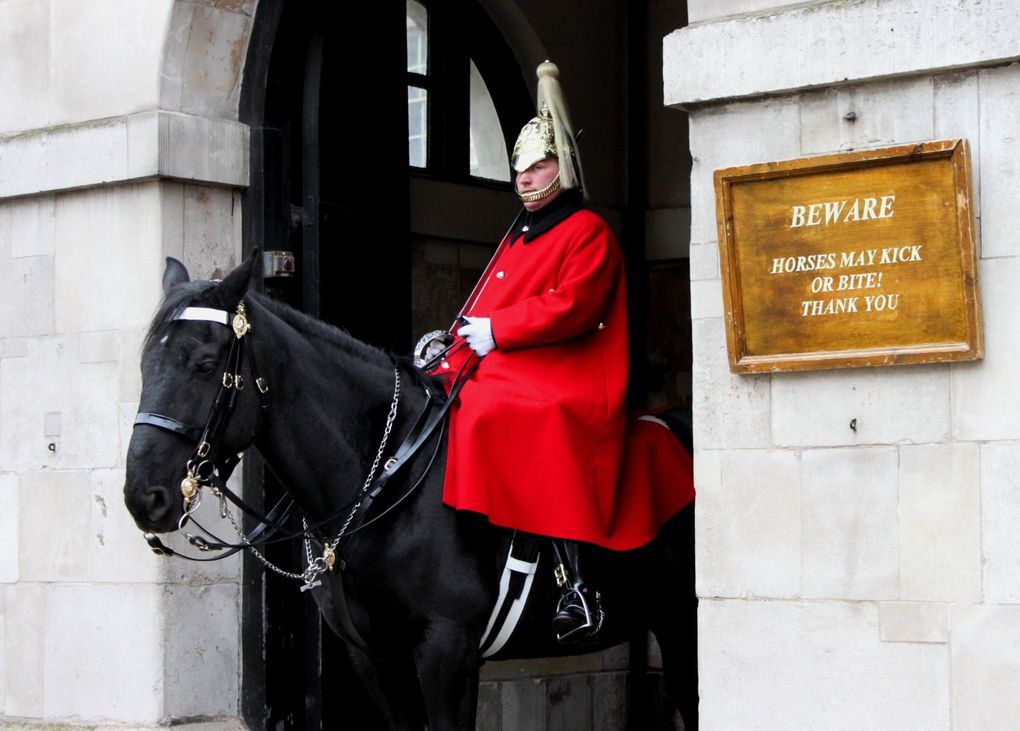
[(329, 182)]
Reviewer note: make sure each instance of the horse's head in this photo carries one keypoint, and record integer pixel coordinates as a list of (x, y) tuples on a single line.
[(185, 371)]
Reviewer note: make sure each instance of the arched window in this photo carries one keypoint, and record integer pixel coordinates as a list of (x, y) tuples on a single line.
[(465, 95)]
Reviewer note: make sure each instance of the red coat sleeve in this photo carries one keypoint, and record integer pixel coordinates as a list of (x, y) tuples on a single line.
[(588, 275)]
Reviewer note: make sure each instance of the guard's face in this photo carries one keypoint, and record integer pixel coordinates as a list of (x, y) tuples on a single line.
[(536, 178)]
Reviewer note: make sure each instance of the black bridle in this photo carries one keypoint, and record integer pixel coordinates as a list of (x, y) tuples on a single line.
[(206, 467)]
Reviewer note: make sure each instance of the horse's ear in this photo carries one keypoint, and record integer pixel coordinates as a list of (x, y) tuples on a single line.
[(235, 284), (174, 274)]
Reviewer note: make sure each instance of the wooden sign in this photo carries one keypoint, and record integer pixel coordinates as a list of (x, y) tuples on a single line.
[(856, 259)]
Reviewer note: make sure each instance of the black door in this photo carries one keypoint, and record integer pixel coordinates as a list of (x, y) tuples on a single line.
[(329, 183)]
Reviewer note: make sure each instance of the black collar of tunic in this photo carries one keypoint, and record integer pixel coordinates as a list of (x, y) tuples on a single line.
[(531, 225)]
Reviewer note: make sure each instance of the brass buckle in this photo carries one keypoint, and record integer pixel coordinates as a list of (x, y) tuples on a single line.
[(240, 324)]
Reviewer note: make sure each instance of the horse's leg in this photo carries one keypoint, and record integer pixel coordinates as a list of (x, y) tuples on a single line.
[(448, 663), (674, 619), (393, 689)]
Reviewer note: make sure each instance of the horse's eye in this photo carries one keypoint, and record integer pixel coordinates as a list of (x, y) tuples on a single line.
[(206, 366)]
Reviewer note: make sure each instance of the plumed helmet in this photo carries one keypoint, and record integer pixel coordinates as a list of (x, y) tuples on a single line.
[(550, 133)]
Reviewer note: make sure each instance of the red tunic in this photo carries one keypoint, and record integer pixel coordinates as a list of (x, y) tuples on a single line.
[(537, 433)]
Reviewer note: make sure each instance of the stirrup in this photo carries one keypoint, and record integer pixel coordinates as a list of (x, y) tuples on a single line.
[(592, 623)]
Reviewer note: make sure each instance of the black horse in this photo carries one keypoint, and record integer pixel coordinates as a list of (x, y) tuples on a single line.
[(411, 594)]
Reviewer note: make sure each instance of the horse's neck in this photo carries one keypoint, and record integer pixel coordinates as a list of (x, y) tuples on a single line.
[(325, 400)]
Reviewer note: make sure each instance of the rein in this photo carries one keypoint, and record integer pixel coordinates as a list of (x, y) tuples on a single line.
[(206, 468)]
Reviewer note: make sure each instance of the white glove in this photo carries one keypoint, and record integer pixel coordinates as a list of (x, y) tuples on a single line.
[(478, 334)]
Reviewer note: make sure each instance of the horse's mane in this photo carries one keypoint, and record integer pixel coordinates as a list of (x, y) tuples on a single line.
[(324, 332), (191, 293), (338, 337)]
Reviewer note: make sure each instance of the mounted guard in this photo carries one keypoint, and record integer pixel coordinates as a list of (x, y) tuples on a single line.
[(538, 430)]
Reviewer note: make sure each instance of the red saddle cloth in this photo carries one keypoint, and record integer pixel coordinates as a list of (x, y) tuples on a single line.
[(656, 482)]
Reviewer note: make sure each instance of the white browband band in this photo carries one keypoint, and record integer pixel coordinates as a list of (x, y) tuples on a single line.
[(204, 313)]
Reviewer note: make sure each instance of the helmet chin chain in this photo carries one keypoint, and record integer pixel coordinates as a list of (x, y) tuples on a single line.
[(540, 194)]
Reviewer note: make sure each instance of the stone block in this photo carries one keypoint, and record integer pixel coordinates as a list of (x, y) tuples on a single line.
[(849, 524), (823, 44), (32, 226), (913, 622), (732, 136), (63, 157), (818, 408), (26, 296), (99, 347), (25, 64), (615, 658), (203, 149), (878, 118), (54, 498), (13, 348), (123, 224), (940, 523), (87, 81), (667, 234), (705, 261), (523, 704), (986, 667), (702, 10), (120, 149), (130, 386), (957, 115), (203, 623), (3, 661), (171, 194), (1000, 516), (9, 513), (213, 61), (815, 665), (997, 160), (730, 411), (980, 389), (52, 379), (117, 552), (212, 231), (706, 299), (175, 52), (93, 670), (5, 229), (23, 650), (748, 524)]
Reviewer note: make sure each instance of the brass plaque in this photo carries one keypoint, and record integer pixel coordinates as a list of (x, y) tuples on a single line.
[(855, 259)]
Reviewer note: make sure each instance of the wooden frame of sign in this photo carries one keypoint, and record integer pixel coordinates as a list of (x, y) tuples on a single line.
[(855, 259)]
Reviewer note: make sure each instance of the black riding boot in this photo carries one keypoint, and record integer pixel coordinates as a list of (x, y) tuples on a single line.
[(579, 612)]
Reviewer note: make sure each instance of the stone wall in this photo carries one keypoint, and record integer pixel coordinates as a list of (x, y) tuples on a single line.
[(856, 578), (119, 146)]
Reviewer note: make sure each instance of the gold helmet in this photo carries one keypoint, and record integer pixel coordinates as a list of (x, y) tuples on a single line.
[(550, 134)]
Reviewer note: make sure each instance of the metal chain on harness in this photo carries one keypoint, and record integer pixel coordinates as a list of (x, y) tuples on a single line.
[(318, 565), (321, 564)]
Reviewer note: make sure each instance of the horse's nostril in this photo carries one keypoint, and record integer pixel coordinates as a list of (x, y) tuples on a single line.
[(157, 503)]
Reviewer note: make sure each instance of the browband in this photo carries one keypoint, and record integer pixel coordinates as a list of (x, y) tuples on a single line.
[(207, 314)]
